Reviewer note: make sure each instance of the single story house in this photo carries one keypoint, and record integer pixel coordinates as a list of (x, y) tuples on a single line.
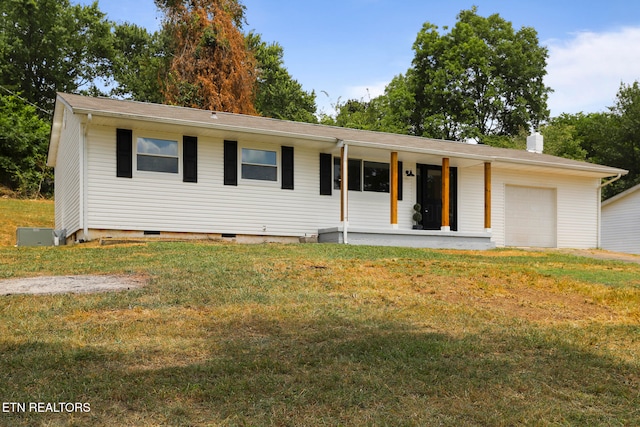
[(621, 222), (125, 168)]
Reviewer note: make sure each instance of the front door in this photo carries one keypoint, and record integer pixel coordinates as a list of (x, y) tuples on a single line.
[(429, 180)]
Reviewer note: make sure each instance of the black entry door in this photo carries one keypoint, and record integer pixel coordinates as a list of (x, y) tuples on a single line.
[(429, 180)]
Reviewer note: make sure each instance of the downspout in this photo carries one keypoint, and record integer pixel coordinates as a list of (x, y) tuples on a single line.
[(84, 178), (600, 187), (345, 192)]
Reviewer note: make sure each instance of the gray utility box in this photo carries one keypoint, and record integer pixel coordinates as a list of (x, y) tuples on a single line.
[(35, 236)]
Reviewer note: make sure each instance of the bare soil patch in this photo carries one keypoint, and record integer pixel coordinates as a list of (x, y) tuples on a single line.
[(69, 284)]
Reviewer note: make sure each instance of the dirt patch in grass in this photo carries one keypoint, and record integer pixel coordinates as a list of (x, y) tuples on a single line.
[(69, 284)]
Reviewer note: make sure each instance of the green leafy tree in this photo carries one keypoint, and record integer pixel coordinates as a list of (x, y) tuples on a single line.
[(50, 45), (278, 95), (619, 132), (356, 114), (24, 139), (562, 139), (139, 63), (395, 108), (386, 113), (482, 79), (610, 138)]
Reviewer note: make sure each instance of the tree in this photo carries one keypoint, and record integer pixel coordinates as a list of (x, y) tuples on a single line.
[(24, 139), (610, 138), (278, 95), (619, 145), (212, 67), (386, 113), (139, 63), (562, 139), (49, 45), (481, 78)]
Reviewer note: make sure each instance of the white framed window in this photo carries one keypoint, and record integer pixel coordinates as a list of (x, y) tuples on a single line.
[(261, 165), (157, 155)]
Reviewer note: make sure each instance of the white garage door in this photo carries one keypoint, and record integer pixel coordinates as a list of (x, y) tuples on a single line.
[(530, 218)]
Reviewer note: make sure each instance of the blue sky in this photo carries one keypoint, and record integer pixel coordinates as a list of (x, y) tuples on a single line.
[(352, 48)]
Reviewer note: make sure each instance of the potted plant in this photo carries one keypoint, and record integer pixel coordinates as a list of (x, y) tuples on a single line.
[(417, 216)]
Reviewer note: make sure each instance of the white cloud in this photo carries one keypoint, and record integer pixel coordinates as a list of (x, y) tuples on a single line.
[(365, 92), (585, 71), (326, 102)]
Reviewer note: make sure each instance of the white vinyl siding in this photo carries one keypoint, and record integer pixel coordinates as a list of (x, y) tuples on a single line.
[(577, 205), (621, 224), (162, 202), (471, 199), (530, 216), (152, 201), (67, 177)]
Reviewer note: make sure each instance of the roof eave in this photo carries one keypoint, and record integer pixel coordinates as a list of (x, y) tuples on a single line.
[(56, 129), (199, 124), (622, 195)]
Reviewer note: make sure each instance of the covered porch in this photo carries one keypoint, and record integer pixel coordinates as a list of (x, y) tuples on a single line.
[(432, 182)]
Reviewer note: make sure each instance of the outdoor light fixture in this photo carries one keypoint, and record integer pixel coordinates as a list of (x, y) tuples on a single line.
[(409, 173)]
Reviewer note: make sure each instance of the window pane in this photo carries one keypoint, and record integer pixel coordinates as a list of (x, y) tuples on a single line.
[(336, 173), (376, 177), (259, 157), (355, 174), (160, 147), (264, 173), (157, 164)]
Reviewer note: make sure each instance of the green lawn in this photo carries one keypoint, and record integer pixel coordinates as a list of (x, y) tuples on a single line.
[(16, 213), (227, 334)]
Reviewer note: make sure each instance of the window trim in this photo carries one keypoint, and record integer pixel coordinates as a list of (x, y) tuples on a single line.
[(170, 138), (256, 181)]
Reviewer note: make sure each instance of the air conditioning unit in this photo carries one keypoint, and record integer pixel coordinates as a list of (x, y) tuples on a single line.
[(26, 236)]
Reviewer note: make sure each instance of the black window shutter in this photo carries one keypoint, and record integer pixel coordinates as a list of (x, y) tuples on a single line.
[(189, 159), (399, 180), (326, 177), (124, 153), (287, 168), (230, 163)]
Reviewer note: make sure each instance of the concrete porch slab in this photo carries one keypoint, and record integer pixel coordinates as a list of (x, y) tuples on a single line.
[(433, 239)]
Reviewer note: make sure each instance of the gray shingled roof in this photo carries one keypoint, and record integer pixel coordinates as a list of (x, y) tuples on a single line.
[(202, 118)]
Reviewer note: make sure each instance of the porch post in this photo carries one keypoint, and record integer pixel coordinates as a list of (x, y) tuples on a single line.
[(445, 195), (487, 197), (394, 189), (342, 179)]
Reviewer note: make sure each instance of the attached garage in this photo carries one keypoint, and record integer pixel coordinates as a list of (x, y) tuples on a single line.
[(530, 216)]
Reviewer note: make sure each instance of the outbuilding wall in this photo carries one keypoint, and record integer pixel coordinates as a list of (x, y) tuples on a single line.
[(621, 224)]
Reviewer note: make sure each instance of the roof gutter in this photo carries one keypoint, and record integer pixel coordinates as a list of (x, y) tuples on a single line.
[(444, 153), (485, 158), (611, 181), (198, 124)]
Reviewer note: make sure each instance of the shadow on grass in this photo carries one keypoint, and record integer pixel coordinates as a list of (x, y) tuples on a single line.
[(327, 372)]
